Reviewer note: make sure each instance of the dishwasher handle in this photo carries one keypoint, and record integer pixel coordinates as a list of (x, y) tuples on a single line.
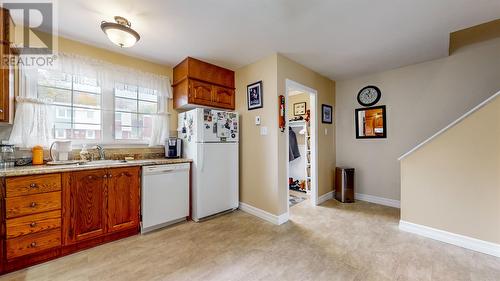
[(162, 169)]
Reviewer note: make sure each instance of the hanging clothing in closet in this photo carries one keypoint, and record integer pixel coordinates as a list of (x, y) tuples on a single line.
[(293, 152)]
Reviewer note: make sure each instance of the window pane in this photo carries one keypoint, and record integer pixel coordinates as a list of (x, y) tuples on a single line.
[(58, 96), (145, 121), (54, 79), (62, 130), (146, 133), (126, 91), (63, 114), (148, 107), (126, 133), (125, 105), (87, 100), (86, 116), (85, 84), (126, 119), (148, 94), (86, 131)]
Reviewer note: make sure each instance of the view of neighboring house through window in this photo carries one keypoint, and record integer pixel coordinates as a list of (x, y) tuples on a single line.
[(133, 108), (77, 103)]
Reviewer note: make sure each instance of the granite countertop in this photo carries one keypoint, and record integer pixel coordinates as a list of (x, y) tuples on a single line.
[(46, 169)]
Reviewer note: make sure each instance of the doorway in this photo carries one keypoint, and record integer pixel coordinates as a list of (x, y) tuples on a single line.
[(301, 114)]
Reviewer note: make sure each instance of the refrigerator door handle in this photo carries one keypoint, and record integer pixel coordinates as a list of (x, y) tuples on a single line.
[(202, 157)]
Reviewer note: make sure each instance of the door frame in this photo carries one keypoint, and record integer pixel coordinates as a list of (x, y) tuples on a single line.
[(313, 94)]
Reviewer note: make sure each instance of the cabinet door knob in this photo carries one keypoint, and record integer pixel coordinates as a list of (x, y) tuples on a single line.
[(33, 244), (33, 185), (110, 175), (105, 176), (33, 204), (33, 224)]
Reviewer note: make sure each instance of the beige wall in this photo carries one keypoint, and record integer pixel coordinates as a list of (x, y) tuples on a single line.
[(421, 99), (258, 154), (263, 161), (453, 182), (288, 69)]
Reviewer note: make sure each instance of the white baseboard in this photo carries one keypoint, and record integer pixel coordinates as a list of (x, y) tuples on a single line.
[(263, 214), (451, 238), (378, 200), (325, 197)]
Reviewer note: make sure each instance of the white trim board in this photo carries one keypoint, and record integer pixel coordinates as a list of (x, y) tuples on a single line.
[(476, 108), (274, 219), (378, 200), (470, 243), (325, 197)]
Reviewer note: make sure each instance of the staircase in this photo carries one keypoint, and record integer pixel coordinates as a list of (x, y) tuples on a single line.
[(450, 183)]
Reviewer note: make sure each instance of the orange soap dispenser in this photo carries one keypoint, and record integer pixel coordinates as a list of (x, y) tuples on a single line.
[(37, 157)]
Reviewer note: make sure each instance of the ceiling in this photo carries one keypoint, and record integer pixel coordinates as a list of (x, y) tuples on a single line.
[(337, 38)]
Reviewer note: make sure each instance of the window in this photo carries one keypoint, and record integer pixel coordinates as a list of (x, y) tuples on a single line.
[(133, 108), (77, 102)]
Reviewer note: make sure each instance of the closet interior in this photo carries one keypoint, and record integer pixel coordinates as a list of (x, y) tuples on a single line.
[(299, 131)]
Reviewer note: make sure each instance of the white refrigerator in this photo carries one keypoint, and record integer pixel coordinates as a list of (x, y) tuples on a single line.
[(210, 138)]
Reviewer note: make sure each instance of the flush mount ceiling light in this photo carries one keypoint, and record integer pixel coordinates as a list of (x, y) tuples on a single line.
[(120, 32)]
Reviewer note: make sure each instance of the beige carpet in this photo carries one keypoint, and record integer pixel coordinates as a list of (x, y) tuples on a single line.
[(358, 241)]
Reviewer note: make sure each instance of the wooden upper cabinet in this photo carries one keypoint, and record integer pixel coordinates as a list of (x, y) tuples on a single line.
[(200, 83), (123, 199), (6, 73), (200, 93), (224, 97), (85, 205)]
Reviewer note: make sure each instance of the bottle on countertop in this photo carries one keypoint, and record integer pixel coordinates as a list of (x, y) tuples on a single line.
[(85, 154), (37, 155)]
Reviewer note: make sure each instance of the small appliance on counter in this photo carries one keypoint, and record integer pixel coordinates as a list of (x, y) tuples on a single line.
[(7, 158), (60, 151), (173, 148)]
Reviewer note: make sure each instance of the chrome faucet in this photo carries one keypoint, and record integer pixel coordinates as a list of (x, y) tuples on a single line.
[(100, 150)]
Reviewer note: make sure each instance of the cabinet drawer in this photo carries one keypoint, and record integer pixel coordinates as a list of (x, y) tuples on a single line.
[(32, 204), (33, 243), (33, 224), (18, 186)]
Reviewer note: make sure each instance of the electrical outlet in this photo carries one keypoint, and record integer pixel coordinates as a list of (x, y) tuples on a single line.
[(263, 131)]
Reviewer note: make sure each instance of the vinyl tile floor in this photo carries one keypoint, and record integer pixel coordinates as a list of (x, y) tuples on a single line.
[(334, 241)]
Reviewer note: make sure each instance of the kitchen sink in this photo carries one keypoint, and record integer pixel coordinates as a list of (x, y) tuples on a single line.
[(101, 162)]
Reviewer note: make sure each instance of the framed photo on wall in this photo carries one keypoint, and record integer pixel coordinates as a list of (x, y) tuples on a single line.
[(254, 96), (326, 114), (299, 108)]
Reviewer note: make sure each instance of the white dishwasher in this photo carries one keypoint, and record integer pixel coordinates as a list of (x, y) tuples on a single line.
[(165, 195)]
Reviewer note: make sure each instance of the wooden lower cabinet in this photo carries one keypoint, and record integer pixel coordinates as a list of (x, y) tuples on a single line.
[(84, 205), (45, 217), (123, 199), (99, 202)]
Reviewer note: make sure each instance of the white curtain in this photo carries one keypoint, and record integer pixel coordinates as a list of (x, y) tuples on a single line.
[(33, 119), (33, 122)]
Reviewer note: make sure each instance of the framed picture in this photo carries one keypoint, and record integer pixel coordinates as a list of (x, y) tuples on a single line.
[(371, 123), (299, 108), (254, 95), (326, 114)]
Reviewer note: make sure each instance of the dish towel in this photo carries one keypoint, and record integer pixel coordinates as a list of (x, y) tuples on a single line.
[(293, 152)]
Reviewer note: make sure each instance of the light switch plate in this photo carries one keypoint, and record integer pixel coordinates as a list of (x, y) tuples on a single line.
[(263, 131), (326, 131), (257, 120)]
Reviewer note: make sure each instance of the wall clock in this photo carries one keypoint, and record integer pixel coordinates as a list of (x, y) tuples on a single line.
[(369, 95)]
